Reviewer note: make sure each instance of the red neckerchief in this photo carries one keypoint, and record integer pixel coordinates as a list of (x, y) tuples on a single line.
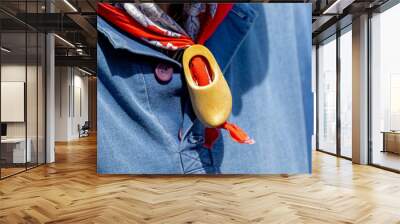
[(125, 22)]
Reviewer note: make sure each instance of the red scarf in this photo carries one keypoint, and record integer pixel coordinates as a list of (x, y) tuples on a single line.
[(125, 22)]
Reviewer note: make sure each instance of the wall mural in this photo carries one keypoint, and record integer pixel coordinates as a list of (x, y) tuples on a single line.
[(204, 88)]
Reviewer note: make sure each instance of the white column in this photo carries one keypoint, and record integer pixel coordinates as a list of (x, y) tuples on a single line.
[(360, 90), (50, 98), (314, 91)]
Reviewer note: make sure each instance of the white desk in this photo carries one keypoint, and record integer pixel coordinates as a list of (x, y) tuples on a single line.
[(18, 151)]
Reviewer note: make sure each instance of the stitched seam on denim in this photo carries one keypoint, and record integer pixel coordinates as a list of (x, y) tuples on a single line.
[(196, 170), (243, 13), (182, 167), (201, 168), (240, 43), (197, 159), (145, 89), (185, 135), (238, 12), (210, 154), (151, 110)]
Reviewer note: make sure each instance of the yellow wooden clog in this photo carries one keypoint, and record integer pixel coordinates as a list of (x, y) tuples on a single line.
[(212, 103)]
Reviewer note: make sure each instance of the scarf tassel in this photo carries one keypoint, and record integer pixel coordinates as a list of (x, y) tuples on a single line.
[(236, 133), (201, 74)]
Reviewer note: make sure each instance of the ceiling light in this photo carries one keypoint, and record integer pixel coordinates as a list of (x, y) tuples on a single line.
[(70, 5), (79, 51), (337, 7), (65, 41), (5, 50), (84, 71)]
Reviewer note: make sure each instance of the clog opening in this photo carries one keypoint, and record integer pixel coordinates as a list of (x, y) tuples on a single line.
[(201, 71)]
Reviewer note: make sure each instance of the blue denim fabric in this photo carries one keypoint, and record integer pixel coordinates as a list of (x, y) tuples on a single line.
[(264, 51)]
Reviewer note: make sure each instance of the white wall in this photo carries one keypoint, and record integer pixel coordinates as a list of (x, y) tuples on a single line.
[(71, 102), (13, 72), (33, 127), (16, 72), (81, 103), (62, 81), (13, 101)]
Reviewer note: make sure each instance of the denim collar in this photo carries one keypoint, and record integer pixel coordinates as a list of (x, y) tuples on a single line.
[(121, 40), (231, 32), (227, 39)]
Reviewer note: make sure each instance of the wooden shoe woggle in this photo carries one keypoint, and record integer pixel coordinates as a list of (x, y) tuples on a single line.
[(212, 103)]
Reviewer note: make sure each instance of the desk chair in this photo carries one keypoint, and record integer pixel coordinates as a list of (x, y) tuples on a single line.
[(84, 130)]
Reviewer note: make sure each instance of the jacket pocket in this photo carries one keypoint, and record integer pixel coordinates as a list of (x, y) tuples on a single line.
[(164, 100), (121, 73)]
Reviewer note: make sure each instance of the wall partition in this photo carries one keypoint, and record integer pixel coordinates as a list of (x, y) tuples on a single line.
[(14, 153), (22, 88)]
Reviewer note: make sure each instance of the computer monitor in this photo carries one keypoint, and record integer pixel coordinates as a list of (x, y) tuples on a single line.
[(3, 129)]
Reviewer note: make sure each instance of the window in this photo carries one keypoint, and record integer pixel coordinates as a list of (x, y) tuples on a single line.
[(385, 89), (346, 93), (327, 96)]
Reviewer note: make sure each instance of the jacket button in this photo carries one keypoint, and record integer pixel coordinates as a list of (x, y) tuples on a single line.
[(196, 139), (164, 72)]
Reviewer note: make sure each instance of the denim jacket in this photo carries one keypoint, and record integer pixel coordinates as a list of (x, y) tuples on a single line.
[(264, 51)]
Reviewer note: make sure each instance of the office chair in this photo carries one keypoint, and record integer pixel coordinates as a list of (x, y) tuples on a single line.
[(84, 130)]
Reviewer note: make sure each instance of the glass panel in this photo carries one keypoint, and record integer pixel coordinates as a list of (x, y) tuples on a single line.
[(13, 89), (41, 99), (327, 96), (31, 100), (314, 84), (22, 87), (77, 110), (13, 7), (32, 87), (386, 89), (346, 94)]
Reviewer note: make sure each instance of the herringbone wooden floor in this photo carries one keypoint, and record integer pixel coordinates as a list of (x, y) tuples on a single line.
[(70, 191)]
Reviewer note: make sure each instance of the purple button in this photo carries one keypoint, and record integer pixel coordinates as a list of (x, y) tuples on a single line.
[(164, 72)]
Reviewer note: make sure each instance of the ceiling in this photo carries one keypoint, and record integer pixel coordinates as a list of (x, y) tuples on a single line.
[(74, 21), (332, 15)]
